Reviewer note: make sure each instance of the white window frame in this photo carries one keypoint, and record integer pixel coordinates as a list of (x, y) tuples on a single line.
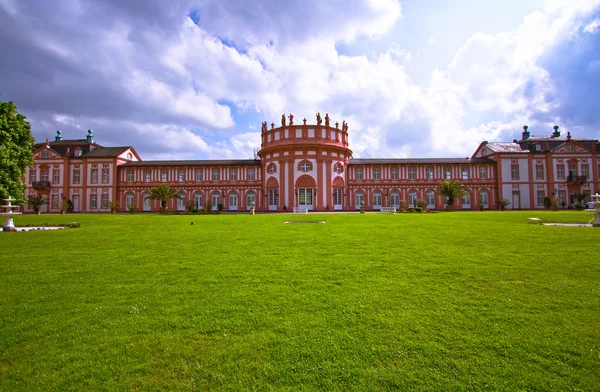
[(377, 173)]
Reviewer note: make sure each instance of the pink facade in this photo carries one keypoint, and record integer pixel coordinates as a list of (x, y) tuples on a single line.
[(311, 166)]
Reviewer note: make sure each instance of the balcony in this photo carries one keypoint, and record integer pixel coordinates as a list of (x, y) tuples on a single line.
[(41, 184), (576, 178)]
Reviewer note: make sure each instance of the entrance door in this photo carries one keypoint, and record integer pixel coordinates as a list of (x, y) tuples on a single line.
[(76, 203), (305, 198), (272, 199), (337, 199), (359, 200), (147, 203), (515, 200)]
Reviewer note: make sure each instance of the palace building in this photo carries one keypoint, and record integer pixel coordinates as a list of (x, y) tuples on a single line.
[(312, 166)]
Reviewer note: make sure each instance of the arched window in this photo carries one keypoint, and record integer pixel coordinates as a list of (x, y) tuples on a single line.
[(430, 199), (250, 200), (377, 200), (412, 199), (233, 201), (198, 202), (129, 202), (359, 200), (466, 199), (181, 202)]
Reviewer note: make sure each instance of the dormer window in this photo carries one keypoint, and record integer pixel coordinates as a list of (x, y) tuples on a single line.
[(538, 147), (78, 152), (45, 154), (570, 148)]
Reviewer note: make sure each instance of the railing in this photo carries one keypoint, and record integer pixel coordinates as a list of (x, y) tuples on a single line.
[(41, 184), (576, 178)]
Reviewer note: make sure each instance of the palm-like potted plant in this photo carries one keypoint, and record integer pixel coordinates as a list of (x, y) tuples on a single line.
[(163, 193), (452, 190), (36, 202)]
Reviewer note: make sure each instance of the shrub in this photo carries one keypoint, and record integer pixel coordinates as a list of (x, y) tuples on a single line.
[(421, 203), (220, 207), (418, 209), (131, 207), (547, 202), (410, 210)]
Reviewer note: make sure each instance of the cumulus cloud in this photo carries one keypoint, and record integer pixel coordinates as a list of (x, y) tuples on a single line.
[(174, 87)]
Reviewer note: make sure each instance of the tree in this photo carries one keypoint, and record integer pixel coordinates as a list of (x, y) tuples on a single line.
[(163, 193), (452, 190), (16, 151)]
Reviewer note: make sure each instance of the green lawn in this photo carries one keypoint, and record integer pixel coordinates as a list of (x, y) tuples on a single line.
[(450, 301)]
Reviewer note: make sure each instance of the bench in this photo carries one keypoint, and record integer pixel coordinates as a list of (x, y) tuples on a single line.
[(300, 210), (387, 210)]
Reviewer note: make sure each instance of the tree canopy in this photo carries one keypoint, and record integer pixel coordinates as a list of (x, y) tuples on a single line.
[(452, 190), (163, 193), (16, 151)]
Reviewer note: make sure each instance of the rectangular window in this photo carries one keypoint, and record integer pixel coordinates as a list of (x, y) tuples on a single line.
[(44, 176), (181, 176), (216, 174), (147, 176), (429, 173), (54, 202), (199, 175), (377, 173), (394, 173), (94, 201), (232, 175), (129, 175), (55, 176), (562, 195), (560, 172), (585, 171), (539, 172), (514, 172), (31, 176), (104, 200), (76, 176), (105, 175), (358, 173), (164, 176), (94, 176), (465, 173), (572, 170), (337, 197), (447, 173), (540, 198), (250, 174), (412, 173), (483, 173)]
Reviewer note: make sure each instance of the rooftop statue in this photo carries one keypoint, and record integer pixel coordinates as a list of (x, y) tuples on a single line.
[(327, 120), (319, 121), (283, 120), (291, 118), (264, 127)]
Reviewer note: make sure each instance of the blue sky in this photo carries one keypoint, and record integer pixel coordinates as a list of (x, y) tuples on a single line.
[(193, 79)]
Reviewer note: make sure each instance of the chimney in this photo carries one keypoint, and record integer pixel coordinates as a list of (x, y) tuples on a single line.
[(525, 132), (90, 136), (556, 132), (58, 136)]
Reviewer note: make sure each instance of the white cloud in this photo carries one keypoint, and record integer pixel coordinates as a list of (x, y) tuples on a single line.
[(592, 27)]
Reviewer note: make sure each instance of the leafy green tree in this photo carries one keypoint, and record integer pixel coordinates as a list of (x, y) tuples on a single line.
[(163, 193), (452, 190), (16, 151)]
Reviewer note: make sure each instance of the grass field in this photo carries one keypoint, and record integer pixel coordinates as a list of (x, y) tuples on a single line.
[(451, 301)]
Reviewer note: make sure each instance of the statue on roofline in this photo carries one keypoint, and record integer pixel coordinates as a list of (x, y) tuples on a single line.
[(283, 120), (264, 126), (291, 118), (319, 121), (327, 120)]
